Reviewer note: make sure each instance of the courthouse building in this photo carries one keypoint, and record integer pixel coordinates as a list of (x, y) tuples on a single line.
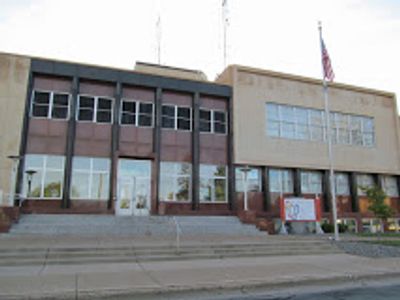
[(161, 140)]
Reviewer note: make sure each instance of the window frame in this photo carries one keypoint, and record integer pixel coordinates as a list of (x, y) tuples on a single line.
[(137, 113), (90, 173), (51, 104), (310, 183), (212, 121), (351, 119), (176, 117), (281, 177), (44, 170), (213, 178), (239, 179), (176, 176), (95, 109)]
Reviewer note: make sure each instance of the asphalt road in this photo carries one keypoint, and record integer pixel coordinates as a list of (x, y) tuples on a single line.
[(365, 293)]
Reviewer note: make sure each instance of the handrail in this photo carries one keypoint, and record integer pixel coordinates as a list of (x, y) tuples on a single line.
[(178, 233)]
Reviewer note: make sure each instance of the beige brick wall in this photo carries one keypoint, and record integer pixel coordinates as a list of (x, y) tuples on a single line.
[(14, 73), (253, 88)]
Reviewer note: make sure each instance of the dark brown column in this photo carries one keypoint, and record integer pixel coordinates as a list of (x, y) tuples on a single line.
[(378, 180), (157, 145), (354, 192), (195, 151), (231, 158), (265, 188), (24, 140), (297, 182), (69, 151), (114, 145), (326, 190)]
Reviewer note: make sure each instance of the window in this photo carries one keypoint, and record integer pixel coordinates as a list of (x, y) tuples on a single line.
[(219, 122), (176, 117), (213, 183), (253, 180), (293, 122), (47, 182), (212, 121), (175, 182), (90, 178), (95, 109), (281, 181), (342, 184), (364, 180), (136, 113), (52, 105), (389, 185), (311, 182), (205, 120)]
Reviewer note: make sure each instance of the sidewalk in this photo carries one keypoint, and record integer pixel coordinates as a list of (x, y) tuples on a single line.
[(151, 278)]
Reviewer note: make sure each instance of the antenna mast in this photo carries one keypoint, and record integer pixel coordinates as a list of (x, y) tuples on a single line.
[(225, 21), (158, 32)]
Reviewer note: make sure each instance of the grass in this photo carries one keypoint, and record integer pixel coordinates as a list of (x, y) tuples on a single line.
[(395, 243), (380, 235)]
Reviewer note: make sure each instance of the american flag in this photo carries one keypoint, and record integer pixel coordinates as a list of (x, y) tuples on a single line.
[(326, 63)]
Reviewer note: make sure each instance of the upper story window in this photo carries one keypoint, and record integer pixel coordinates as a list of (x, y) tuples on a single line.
[(176, 117), (311, 182), (281, 181), (136, 113), (213, 121), (95, 109), (253, 180), (293, 122), (52, 105)]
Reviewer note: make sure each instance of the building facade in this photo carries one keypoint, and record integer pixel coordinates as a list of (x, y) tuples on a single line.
[(161, 140), (279, 130)]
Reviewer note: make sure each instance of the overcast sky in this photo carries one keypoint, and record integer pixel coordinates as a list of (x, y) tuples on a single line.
[(362, 37)]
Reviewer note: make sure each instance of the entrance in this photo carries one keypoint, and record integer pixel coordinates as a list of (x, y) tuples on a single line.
[(133, 187)]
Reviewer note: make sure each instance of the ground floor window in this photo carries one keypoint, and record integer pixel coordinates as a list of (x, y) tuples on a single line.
[(389, 184), (175, 181), (281, 181), (371, 225), (43, 176), (213, 183), (311, 182), (349, 224), (253, 180), (393, 225), (90, 178)]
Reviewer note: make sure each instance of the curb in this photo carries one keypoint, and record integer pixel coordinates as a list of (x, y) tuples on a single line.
[(171, 292)]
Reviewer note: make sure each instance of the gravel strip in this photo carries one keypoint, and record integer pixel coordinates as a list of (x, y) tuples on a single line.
[(369, 249)]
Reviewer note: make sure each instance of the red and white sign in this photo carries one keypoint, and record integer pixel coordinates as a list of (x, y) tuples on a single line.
[(300, 209)]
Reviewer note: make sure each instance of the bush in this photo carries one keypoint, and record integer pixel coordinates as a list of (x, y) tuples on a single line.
[(328, 228)]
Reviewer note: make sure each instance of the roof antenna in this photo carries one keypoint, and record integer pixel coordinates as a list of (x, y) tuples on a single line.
[(225, 21), (158, 33)]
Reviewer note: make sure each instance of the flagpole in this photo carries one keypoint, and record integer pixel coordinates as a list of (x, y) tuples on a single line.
[(329, 139)]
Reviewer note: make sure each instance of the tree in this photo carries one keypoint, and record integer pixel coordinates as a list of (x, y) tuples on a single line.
[(376, 198)]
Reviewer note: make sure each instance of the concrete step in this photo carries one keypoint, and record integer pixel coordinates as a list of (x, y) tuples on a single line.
[(91, 225), (87, 255)]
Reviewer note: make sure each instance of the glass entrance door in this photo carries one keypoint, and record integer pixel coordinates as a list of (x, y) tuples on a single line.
[(134, 177)]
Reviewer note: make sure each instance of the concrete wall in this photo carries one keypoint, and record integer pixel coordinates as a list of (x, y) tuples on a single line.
[(14, 73), (253, 88)]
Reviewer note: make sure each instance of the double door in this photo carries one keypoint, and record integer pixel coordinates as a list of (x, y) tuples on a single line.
[(134, 178)]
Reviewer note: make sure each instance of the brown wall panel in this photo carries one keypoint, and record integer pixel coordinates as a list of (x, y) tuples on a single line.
[(136, 141), (52, 83), (171, 208), (169, 97), (176, 145), (138, 93), (54, 207), (91, 148), (213, 149), (255, 201), (46, 136), (214, 103), (97, 88)]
